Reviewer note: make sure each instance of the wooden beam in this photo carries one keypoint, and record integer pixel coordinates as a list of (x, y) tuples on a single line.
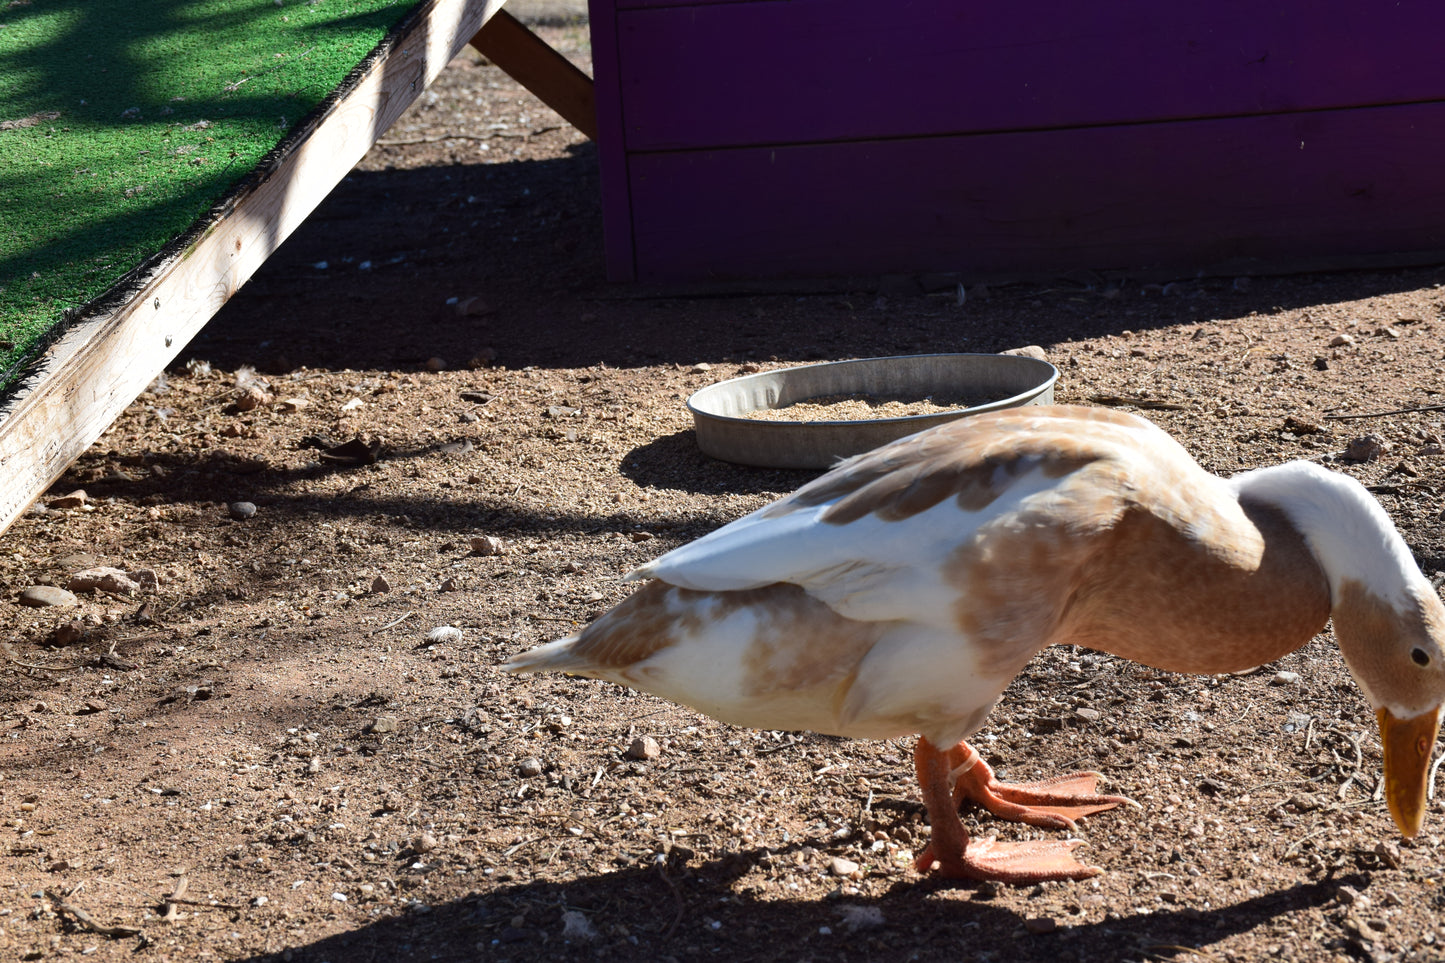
[(535, 65), (105, 360)]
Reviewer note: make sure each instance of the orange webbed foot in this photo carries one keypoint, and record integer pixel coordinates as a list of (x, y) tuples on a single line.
[(1054, 803), (948, 777)]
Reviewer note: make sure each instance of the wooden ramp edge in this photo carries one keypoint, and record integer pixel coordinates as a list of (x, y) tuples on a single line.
[(103, 362)]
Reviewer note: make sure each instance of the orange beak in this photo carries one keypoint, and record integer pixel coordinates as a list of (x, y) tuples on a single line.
[(1408, 744)]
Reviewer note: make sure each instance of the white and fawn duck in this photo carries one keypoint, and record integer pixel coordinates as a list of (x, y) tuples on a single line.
[(900, 593)]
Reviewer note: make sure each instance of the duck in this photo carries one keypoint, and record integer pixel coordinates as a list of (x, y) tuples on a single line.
[(900, 592)]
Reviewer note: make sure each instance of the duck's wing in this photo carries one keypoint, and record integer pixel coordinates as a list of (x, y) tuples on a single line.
[(872, 538)]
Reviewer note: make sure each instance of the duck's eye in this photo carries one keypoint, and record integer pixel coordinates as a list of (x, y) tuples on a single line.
[(1420, 656)]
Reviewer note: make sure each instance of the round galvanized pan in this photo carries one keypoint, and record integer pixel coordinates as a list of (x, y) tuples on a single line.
[(723, 430)]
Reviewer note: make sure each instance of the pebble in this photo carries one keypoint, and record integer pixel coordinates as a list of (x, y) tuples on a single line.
[(1341, 340), (46, 596), (640, 536), (1041, 924), (1028, 351), (424, 843), (436, 364), (1365, 448), (384, 724), (1389, 854), (75, 499), (839, 866), (251, 397), (1087, 715), (104, 579), (529, 767), (380, 584), (241, 511), (450, 585), (488, 545), (644, 747), (1285, 677)]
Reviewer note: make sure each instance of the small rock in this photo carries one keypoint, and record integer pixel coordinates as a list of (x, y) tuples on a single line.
[(644, 747), (1341, 340), (702, 367), (488, 545), (380, 585), (241, 511), (146, 578), (640, 536), (103, 579), (1301, 426), (1284, 677), (384, 724), (1088, 715), (75, 499), (436, 364), (1303, 802), (1041, 924), (424, 843), (450, 585), (1365, 448), (251, 397), (46, 596), (90, 707), (68, 633), (839, 866), (1028, 351), (1389, 854), (529, 767)]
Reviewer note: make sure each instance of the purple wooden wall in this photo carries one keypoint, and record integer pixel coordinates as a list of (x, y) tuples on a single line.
[(814, 137)]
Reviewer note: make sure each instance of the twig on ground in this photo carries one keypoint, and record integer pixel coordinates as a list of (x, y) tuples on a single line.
[(392, 625), (1382, 414), (90, 922)]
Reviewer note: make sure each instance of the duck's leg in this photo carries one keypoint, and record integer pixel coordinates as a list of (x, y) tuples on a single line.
[(958, 857), (1049, 803)]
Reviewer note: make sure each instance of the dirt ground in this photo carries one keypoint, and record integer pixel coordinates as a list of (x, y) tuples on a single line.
[(279, 752)]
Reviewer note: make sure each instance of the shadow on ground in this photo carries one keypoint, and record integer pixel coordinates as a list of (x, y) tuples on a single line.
[(676, 911)]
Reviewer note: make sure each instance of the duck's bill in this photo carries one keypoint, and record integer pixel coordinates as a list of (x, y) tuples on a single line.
[(1408, 744)]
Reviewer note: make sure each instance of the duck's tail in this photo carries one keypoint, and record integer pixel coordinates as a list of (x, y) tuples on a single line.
[(558, 656)]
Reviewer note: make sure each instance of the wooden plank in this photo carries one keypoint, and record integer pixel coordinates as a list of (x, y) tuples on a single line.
[(532, 62), (808, 71), (99, 367), (1180, 196)]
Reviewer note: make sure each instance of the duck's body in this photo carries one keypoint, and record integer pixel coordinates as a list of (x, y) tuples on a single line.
[(902, 591)]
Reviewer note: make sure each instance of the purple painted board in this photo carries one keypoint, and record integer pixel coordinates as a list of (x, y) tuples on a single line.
[(1184, 195), (804, 71), (612, 158)]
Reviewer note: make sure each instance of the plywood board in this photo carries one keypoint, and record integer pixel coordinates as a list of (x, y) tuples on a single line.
[(104, 361)]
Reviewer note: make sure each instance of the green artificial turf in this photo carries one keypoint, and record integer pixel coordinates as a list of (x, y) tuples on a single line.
[(123, 121)]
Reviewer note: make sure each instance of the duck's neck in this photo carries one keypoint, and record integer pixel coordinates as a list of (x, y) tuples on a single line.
[(1346, 530)]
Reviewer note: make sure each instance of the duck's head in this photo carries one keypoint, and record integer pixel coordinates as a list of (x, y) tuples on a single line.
[(1388, 619), (1396, 650)]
